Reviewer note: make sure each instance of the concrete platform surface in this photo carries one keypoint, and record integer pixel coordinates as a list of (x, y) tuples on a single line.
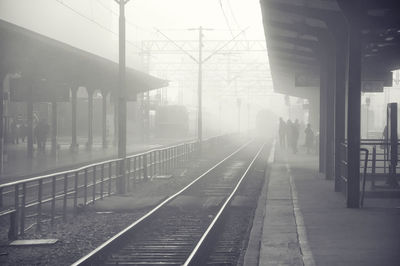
[(306, 223)]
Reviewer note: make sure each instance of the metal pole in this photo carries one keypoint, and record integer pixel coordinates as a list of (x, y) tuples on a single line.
[(122, 98), (199, 91)]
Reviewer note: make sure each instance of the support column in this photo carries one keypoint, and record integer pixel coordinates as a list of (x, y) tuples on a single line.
[(121, 100), (2, 76), (330, 109), (322, 119), (352, 11), (89, 143), (74, 107), (54, 127), (104, 119), (353, 118), (340, 102)]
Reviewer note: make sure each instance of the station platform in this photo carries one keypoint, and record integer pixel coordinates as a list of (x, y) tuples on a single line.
[(19, 166), (300, 220)]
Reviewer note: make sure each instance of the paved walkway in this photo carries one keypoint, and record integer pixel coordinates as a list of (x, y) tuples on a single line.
[(304, 222), (19, 166)]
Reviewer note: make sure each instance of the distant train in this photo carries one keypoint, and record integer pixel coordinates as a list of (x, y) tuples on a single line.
[(266, 124), (171, 121)]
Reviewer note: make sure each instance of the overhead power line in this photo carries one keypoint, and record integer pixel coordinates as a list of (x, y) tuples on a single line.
[(95, 22), (233, 14), (225, 17), (117, 15)]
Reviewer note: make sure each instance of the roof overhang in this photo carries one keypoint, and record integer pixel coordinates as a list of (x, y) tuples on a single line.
[(42, 58), (299, 32)]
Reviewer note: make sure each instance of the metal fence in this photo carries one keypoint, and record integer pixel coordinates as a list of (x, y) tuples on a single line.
[(31, 202), (374, 163)]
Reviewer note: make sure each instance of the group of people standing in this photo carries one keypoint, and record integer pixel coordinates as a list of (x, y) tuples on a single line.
[(289, 133), (18, 131)]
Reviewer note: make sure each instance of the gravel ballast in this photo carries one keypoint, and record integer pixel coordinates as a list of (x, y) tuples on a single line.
[(92, 226)]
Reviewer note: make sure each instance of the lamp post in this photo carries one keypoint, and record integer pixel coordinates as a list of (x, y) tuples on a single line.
[(121, 188)]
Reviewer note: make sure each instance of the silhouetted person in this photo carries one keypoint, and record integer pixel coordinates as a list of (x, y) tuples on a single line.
[(41, 131), (384, 138), (295, 130), (289, 133), (14, 131), (309, 138), (282, 133), (24, 131)]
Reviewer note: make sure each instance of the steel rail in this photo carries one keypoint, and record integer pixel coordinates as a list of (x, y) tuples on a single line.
[(200, 243), (90, 258)]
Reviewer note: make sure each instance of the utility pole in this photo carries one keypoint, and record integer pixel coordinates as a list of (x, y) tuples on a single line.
[(122, 98), (145, 103), (199, 89), (200, 85), (200, 61)]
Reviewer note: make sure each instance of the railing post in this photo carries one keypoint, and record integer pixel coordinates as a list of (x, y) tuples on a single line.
[(13, 230), (373, 167), (175, 151), (53, 199), (134, 175), (150, 164), (159, 162), (39, 206), (16, 206), (85, 187), (65, 197), (23, 203), (102, 182), (76, 192), (163, 165), (145, 177), (128, 176), (109, 178), (155, 163), (94, 185), (170, 158)]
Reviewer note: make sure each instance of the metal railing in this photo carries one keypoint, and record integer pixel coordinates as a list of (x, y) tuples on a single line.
[(34, 201), (373, 168)]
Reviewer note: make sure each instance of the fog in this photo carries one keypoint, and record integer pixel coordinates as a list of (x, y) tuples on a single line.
[(236, 80)]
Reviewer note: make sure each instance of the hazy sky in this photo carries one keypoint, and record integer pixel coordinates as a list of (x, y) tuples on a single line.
[(88, 24), (92, 25)]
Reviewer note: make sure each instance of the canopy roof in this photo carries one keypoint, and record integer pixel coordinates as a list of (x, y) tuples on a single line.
[(42, 58), (299, 32)]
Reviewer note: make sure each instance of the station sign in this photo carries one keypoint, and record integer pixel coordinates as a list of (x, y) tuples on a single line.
[(23, 89)]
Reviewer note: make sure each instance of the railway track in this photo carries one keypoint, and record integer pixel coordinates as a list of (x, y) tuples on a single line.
[(180, 229)]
